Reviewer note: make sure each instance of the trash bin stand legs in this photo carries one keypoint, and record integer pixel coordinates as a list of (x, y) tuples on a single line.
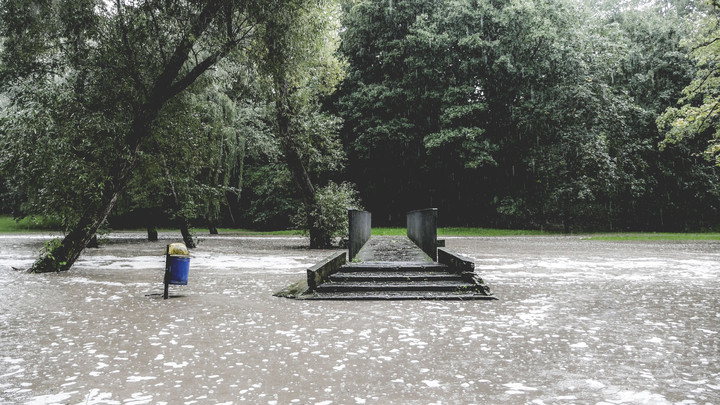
[(166, 279)]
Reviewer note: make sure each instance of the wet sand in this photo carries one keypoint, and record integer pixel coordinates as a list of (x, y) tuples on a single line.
[(577, 321)]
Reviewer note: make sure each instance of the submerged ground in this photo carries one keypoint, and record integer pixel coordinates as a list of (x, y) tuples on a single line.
[(577, 321)]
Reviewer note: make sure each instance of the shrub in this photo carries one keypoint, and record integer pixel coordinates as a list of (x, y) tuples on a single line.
[(333, 203)]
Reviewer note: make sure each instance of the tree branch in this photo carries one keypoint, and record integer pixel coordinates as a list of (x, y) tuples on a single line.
[(130, 55), (704, 44), (161, 89), (704, 79), (159, 35), (182, 52), (200, 68), (702, 124)]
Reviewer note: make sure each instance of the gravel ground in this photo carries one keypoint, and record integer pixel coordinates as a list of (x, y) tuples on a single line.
[(577, 321)]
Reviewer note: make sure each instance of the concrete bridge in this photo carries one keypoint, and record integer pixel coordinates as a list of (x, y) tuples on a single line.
[(412, 267)]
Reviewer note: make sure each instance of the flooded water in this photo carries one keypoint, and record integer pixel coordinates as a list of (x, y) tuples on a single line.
[(577, 321)]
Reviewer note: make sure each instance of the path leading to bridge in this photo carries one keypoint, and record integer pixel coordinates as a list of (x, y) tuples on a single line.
[(394, 268)]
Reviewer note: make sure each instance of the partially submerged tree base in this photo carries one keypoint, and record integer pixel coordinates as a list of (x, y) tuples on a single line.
[(187, 236), (59, 255), (152, 234)]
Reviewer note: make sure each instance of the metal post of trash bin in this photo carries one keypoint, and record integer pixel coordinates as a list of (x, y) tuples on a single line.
[(166, 278), (177, 266)]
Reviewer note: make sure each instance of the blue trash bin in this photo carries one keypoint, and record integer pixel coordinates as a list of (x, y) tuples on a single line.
[(179, 267)]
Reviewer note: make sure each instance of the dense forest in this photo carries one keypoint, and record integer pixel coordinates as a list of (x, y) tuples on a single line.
[(526, 114), (567, 115)]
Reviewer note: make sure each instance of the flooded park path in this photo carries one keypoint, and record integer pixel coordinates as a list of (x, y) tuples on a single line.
[(576, 321)]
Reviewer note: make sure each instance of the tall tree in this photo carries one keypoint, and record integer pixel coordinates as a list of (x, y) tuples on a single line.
[(88, 81), (520, 113), (698, 114), (302, 66)]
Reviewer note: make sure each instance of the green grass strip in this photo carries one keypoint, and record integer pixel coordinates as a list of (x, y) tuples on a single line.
[(9, 225), (456, 231)]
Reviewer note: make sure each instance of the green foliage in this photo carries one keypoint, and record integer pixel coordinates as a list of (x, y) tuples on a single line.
[(268, 199), (698, 113), (41, 137), (521, 113), (49, 259), (192, 171), (333, 202)]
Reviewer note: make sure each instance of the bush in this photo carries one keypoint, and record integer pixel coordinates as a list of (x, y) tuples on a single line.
[(333, 203)]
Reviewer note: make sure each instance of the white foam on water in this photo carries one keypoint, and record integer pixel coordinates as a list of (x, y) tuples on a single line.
[(432, 383), (638, 397), (218, 262), (137, 378), (51, 398)]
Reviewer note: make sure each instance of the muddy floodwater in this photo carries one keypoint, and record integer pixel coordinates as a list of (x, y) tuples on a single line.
[(577, 322)]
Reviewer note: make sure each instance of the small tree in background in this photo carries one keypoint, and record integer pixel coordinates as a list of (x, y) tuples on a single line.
[(331, 217)]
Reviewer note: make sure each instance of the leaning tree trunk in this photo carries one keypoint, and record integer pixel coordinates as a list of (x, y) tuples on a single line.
[(61, 256), (181, 220), (319, 238), (186, 235)]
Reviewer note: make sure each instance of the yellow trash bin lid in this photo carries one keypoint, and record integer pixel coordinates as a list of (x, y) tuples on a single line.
[(178, 249)]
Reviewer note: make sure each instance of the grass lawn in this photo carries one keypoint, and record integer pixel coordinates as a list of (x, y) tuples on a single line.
[(463, 232), (615, 236), (8, 226)]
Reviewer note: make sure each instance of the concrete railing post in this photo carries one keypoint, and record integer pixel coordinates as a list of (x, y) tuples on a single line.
[(359, 225), (422, 229), (320, 272)]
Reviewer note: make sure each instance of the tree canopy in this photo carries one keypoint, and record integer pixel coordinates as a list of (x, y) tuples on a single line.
[(95, 87), (553, 114), (522, 113)]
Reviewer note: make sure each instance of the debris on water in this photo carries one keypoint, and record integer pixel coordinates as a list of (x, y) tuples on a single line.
[(579, 322)]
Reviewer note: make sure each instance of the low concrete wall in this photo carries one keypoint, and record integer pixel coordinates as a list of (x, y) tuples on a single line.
[(359, 231), (318, 273), (455, 262), (422, 229)]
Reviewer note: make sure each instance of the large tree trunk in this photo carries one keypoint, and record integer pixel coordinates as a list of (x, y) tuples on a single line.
[(61, 256), (181, 220), (211, 227), (152, 233), (318, 237), (186, 235)]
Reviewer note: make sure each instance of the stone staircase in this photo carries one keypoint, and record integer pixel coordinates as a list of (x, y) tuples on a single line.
[(392, 268), (399, 280), (417, 279)]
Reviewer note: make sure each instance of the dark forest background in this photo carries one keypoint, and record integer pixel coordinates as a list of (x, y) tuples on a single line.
[(564, 115)]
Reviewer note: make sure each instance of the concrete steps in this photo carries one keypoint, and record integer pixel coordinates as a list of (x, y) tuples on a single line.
[(399, 296), (398, 281), (391, 268), (382, 276)]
